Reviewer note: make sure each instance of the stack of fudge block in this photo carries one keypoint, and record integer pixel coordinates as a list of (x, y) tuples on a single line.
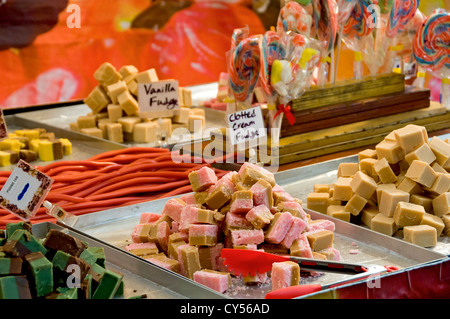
[(31, 145), (115, 109), (400, 188), (241, 210), (45, 268)]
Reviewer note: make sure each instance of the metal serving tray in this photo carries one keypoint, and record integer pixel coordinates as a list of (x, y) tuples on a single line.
[(140, 277), (83, 146), (61, 117), (299, 183), (373, 249)]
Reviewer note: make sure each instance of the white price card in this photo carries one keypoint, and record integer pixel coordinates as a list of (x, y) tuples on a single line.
[(246, 125), (25, 190), (158, 97)]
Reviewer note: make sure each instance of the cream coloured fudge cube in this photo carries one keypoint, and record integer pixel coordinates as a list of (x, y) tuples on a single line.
[(186, 97), (387, 187), (133, 87), (347, 169), (339, 212), (356, 204), (196, 123), (342, 189), (390, 150), (384, 171), (128, 123), (106, 74), (127, 70), (145, 132), (389, 199), (363, 185), (422, 200), (421, 235), (409, 186), (367, 214), (114, 112), (441, 150), (410, 137), (441, 204), (321, 188), (321, 239), (97, 99), (446, 220), (382, 224), (367, 153), (438, 168), (408, 214), (433, 221), (422, 153), (86, 121), (115, 89), (367, 166), (181, 115), (164, 126), (318, 202), (128, 103), (147, 76), (92, 131), (440, 185), (421, 173), (114, 132)]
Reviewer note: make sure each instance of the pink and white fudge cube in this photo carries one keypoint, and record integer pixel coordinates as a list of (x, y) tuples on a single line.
[(297, 227), (162, 235), (302, 247), (262, 193), (242, 202), (218, 281), (135, 246), (247, 236), (189, 198), (173, 208), (259, 216), (236, 221), (285, 274), (149, 218), (188, 215), (294, 208), (279, 227), (321, 224), (202, 179), (226, 180), (203, 234)]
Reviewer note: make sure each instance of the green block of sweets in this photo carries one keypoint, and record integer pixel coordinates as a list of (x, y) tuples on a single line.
[(10, 266), (22, 243), (14, 287), (108, 285), (121, 290), (12, 227), (62, 260), (88, 257), (63, 293), (97, 272), (42, 273), (99, 254)]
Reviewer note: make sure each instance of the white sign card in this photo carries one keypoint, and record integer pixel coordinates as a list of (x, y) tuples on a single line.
[(25, 190), (158, 97), (246, 125)]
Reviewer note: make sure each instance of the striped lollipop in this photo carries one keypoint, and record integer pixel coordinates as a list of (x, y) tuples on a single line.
[(293, 17), (401, 13), (271, 48), (244, 67), (359, 24), (431, 46)]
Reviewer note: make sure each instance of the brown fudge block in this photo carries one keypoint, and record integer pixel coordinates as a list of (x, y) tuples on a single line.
[(433, 221), (57, 240), (145, 132), (410, 137), (114, 132), (384, 171), (382, 224), (390, 150), (408, 214), (440, 185), (114, 112), (318, 202), (320, 240), (389, 200), (409, 186), (347, 169), (363, 185), (441, 204), (367, 214), (106, 74), (128, 103), (441, 150), (423, 153), (115, 89), (86, 121), (339, 212), (92, 131), (422, 200), (356, 204), (97, 99), (367, 153), (342, 189), (147, 76), (421, 235), (421, 173)]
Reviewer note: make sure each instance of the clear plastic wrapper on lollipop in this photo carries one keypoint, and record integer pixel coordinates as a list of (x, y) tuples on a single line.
[(431, 49)]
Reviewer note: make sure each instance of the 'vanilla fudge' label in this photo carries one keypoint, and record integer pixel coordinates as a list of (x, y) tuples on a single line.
[(158, 96), (25, 190), (246, 125)]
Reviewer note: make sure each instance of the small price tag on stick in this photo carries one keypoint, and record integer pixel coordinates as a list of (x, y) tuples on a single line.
[(25, 191), (158, 99), (246, 125)]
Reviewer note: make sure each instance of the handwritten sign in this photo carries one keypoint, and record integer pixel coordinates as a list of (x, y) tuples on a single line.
[(25, 190), (246, 125), (159, 97)]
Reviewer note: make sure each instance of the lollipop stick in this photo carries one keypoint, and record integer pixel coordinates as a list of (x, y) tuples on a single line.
[(335, 61), (445, 93)]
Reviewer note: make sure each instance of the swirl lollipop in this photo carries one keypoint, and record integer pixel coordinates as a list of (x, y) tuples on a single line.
[(243, 69), (431, 49), (238, 35), (293, 17), (271, 48)]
